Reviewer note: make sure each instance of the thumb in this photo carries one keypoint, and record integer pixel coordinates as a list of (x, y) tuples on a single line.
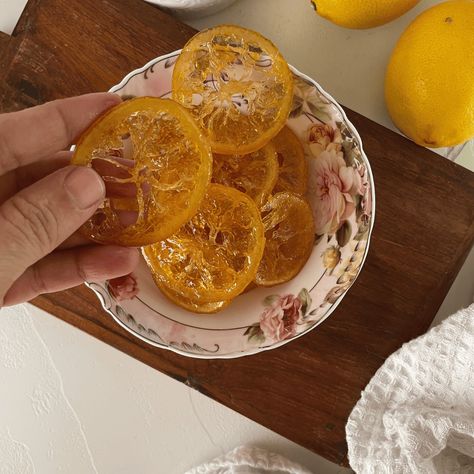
[(37, 219)]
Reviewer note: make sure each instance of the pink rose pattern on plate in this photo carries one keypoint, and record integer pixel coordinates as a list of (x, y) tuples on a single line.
[(333, 185), (322, 137), (124, 287), (278, 321), (280, 318)]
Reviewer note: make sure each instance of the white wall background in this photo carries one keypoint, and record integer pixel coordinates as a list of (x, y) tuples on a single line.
[(71, 404)]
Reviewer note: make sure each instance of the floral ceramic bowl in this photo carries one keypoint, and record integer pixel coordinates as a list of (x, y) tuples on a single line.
[(341, 193)]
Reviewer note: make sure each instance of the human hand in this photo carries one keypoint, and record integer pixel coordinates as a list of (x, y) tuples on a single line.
[(43, 201)]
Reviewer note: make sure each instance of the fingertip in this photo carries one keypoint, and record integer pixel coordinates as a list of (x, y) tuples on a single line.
[(125, 258), (111, 99), (84, 186), (98, 102), (101, 103)]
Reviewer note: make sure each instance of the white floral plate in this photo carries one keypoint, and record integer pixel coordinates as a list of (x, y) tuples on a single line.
[(341, 192)]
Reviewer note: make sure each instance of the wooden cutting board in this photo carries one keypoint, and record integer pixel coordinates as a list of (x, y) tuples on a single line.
[(423, 231)]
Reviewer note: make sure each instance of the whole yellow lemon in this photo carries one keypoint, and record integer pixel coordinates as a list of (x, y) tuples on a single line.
[(362, 14), (429, 85)]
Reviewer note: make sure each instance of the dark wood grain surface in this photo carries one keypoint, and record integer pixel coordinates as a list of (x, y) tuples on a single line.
[(423, 231), (4, 40)]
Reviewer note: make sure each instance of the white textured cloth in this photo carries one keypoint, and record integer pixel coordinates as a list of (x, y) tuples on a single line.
[(249, 460), (417, 413)]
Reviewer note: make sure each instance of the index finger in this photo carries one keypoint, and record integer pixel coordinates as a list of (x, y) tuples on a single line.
[(36, 133)]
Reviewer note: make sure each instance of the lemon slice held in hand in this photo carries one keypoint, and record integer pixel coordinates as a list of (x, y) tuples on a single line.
[(156, 165)]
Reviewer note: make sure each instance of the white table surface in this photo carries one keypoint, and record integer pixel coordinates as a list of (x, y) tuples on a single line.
[(69, 403)]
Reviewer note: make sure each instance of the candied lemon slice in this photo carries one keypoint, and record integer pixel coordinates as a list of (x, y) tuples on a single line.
[(289, 233), (254, 174), (191, 305), (156, 165), (215, 255), (237, 85), (293, 173)]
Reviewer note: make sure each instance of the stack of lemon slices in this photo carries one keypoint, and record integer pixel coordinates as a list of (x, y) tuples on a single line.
[(211, 183)]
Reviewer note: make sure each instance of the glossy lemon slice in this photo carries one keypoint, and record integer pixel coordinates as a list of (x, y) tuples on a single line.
[(190, 304), (293, 171), (254, 174), (156, 165), (237, 85), (289, 233), (216, 254)]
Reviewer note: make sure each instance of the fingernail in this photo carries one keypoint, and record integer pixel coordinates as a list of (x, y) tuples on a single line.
[(112, 99), (85, 187)]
